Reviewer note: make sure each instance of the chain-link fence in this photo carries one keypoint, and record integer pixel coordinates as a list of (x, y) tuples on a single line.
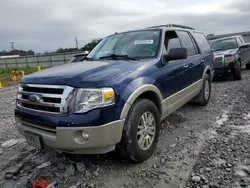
[(47, 60)]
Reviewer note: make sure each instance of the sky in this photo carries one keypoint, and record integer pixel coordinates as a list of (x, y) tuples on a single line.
[(46, 25)]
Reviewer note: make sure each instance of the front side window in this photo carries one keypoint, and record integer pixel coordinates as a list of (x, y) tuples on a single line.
[(239, 41), (135, 44), (188, 43), (171, 41), (224, 44)]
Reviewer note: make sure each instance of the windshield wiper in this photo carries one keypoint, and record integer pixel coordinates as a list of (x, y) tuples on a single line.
[(219, 50), (115, 56)]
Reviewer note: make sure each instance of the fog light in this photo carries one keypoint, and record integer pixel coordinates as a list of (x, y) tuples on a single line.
[(85, 135)]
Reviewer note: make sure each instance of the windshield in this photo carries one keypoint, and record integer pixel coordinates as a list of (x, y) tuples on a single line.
[(135, 44), (224, 44)]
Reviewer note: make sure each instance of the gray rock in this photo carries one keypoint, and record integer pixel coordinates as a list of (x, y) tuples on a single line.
[(139, 183), (96, 173), (208, 169), (14, 171), (173, 145), (44, 165), (162, 160), (9, 143), (78, 185), (80, 167), (240, 173), (8, 176), (236, 184), (69, 171), (228, 169), (61, 166), (1, 151), (15, 177), (196, 179), (205, 186)]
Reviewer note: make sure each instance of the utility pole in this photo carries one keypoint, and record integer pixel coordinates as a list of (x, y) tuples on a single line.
[(76, 44), (12, 45)]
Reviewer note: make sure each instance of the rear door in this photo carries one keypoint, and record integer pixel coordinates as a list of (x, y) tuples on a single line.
[(194, 62), (205, 50)]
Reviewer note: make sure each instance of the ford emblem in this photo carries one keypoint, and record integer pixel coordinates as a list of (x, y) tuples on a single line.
[(34, 98)]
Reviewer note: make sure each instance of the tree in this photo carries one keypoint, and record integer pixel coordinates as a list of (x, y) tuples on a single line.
[(30, 52), (90, 45)]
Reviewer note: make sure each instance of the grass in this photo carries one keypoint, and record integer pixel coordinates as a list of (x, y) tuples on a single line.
[(6, 74)]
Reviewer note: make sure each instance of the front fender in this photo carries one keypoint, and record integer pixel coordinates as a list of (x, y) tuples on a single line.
[(135, 89)]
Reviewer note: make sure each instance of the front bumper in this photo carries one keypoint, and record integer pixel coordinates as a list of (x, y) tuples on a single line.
[(102, 139), (223, 70)]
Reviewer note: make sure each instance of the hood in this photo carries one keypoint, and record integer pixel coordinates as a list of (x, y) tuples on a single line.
[(225, 52), (81, 74)]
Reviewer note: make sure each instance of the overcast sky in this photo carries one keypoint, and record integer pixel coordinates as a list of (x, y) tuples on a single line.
[(46, 25)]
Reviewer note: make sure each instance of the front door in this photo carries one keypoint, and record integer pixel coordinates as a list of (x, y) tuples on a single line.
[(174, 73)]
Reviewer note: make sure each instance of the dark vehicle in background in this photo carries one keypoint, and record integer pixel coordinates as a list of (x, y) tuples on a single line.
[(78, 57), (231, 55)]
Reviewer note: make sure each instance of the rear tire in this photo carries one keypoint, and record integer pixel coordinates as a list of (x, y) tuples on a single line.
[(237, 72), (204, 96), (248, 66), (132, 145)]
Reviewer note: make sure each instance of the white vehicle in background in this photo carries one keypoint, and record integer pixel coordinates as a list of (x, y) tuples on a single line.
[(79, 57), (9, 56)]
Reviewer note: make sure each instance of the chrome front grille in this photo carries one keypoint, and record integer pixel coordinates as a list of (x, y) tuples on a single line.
[(49, 99), (218, 61)]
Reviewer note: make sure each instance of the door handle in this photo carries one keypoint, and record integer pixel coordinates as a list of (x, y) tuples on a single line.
[(185, 66), (202, 61)]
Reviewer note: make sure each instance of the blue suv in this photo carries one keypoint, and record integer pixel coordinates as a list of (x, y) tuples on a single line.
[(117, 97)]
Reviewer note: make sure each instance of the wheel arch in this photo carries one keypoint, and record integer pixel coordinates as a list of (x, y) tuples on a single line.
[(147, 91), (208, 71)]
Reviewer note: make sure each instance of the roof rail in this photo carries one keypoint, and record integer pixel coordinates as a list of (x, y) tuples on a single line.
[(173, 25)]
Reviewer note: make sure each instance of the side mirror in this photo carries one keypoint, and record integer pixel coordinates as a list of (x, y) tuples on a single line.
[(247, 45), (176, 54)]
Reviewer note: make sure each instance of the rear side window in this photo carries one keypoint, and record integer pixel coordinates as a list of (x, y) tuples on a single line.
[(202, 42), (187, 42)]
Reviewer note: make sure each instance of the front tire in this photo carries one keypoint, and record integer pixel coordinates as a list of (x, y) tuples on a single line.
[(141, 131), (248, 66), (204, 96), (237, 72)]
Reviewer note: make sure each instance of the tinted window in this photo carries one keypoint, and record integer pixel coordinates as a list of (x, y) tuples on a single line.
[(202, 42), (173, 43), (187, 42), (239, 41)]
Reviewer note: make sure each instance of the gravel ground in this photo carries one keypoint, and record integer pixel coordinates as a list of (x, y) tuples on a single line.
[(198, 147)]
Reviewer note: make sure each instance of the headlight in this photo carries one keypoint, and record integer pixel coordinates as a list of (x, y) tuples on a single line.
[(229, 59), (88, 99)]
